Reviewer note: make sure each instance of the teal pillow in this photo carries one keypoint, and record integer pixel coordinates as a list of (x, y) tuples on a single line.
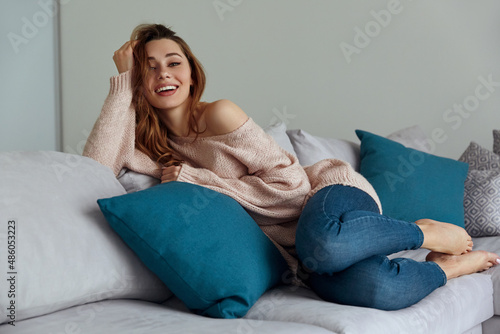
[(412, 184), (202, 244)]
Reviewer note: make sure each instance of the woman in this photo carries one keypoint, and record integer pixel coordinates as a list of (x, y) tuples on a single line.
[(325, 219)]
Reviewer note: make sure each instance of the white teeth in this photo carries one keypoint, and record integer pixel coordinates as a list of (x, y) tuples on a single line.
[(165, 88)]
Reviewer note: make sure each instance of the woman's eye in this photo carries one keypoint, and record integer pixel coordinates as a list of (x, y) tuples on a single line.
[(152, 68), (174, 64)]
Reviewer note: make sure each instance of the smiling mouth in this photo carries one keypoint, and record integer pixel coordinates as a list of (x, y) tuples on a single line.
[(166, 89)]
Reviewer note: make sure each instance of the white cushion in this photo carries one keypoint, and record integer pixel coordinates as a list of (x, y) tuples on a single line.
[(132, 317), (460, 305), (133, 181), (65, 252), (278, 132), (491, 244), (412, 137), (311, 149)]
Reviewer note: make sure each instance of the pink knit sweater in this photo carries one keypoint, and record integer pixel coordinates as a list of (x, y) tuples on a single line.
[(246, 164)]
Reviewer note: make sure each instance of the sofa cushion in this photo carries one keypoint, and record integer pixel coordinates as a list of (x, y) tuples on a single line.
[(133, 181), (482, 191), (135, 316), (482, 203), (278, 132), (412, 137), (202, 244), (496, 142), (491, 244), (480, 158), (311, 149), (462, 304), (412, 184), (65, 252)]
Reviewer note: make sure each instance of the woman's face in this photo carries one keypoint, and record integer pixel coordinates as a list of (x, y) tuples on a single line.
[(168, 82)]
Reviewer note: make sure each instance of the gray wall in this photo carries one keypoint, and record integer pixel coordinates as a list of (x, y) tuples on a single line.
[(29, 92), (404, 62)]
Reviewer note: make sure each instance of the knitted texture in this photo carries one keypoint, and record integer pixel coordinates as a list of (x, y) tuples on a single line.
[(245, 164), (112, 140)]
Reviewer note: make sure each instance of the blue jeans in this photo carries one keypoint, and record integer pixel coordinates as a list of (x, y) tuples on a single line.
[(342, 242)]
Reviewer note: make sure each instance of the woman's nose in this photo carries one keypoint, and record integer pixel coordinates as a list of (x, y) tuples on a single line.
[(164, 73)]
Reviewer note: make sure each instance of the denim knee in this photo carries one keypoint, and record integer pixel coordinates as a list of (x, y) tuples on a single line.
[(310, 237), (339, 226), (328, 206)]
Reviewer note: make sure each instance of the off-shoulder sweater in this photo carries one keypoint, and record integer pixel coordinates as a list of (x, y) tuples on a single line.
[(245, 164)]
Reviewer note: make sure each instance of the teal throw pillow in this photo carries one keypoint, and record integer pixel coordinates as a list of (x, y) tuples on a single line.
[(412, 184), (202, 244)]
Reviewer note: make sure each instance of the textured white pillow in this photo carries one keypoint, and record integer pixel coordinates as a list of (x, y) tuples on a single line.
[(278, 132), (65, 252), (133, 181), (412, 137), (311, 149)]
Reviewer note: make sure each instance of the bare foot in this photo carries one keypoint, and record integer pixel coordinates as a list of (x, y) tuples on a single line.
[(468, 263), (444, 237)]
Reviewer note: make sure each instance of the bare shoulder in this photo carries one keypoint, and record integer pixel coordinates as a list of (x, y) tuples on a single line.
[(223, 116)]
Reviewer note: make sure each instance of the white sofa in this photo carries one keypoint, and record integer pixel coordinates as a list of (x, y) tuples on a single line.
[(71, 273)]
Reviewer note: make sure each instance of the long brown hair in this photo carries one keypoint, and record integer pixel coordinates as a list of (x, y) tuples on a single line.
[(151, 133)]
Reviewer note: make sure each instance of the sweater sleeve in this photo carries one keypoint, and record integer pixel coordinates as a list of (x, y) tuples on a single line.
[(270, 183), (112, 139)]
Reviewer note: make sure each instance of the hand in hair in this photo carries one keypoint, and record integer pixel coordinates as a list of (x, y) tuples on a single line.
[(170, 173), (124, 57)]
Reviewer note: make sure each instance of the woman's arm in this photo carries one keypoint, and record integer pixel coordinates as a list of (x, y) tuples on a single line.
[(112, 134), (124, 57), (277, 192), (112, 140)]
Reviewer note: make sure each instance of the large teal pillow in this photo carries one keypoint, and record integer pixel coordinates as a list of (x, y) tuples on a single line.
[(412, 184), (202, 244)]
